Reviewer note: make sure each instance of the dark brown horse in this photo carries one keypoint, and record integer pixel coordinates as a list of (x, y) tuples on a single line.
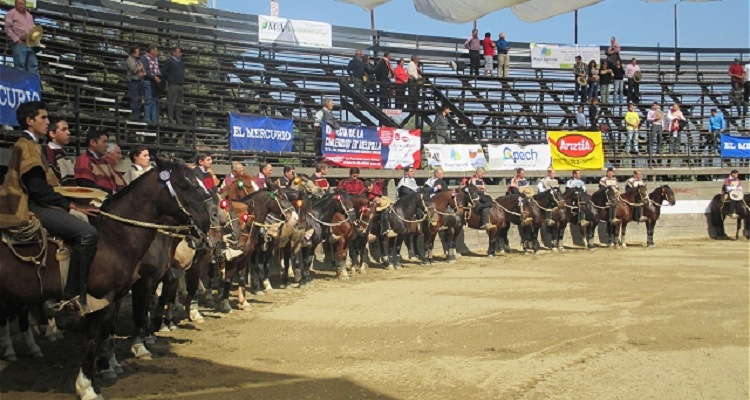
[(366, 214), (719, 211), (624, 208), (652, 209), (123, 240), (404, 222), (449, 207), (581, 213), (517, 211), (320, 220), (548, 201), (473, 217)]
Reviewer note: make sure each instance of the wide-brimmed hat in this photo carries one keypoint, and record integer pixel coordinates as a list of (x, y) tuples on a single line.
[(34, 37), (637, 76)]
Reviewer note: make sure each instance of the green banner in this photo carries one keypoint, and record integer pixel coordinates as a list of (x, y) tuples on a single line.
[(12, 3)]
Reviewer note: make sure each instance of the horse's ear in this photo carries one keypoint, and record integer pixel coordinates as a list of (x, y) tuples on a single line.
[(160, 163)]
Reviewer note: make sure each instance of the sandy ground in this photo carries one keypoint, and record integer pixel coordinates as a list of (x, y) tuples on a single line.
[(665, 323)]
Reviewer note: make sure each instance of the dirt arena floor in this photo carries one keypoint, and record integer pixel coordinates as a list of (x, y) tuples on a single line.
[(664, 323)]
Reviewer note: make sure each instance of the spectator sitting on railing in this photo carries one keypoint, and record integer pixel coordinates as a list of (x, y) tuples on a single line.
[(736, 99), (736, 72), (415, 80), (473, 44), (58, 136), (92, 169), (613, 52), (356, 71), (18, 24), (716, 125), (135, 76), (581, 118), (440, 126), (401, 78)]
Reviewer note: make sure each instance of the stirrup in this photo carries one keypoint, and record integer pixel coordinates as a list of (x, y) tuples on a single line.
[(615, 221), (391, 234)]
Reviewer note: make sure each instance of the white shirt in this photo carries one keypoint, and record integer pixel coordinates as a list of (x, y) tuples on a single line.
[(747, 72), (33, 137), (54, 146), (575, 183), (413, 71)]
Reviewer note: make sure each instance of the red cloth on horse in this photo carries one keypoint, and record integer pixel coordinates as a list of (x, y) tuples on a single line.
[(352, 187), (96, 170)]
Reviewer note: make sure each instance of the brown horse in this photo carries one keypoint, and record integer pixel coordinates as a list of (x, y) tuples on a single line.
[(241, 187), (719, 211), (625, 205), (581, 212), (652, 209), (124, 237), (473, 217), (516, 211), (366, 213), (548, 201), (449, 207)]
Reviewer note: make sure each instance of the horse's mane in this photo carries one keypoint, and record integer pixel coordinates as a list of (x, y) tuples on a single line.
[(127, 189)]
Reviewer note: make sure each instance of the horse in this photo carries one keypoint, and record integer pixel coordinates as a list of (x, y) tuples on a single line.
[(403, 222), (581, 213), (126, 228), (292, 238), (449, 207), (719, 211), (652, 210), (366, 212), (517, 211), (241, 187), (320, 220), (472, 217), (548, 201), (624, 204)]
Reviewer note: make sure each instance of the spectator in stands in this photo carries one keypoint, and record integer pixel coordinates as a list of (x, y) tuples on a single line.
[(605, 80), (369, 76), (352, 186), (18, 24), (135, 82), (325, 115), (440, 126), (503, 56), (736, 99), (174, 73), (613, 52), (319, 177), (747, 85), (581, 118), (415, 80), (203, 163), (579, 71), (288, 176), (716, 125), (356, 71), (473, 44), (141, 162), (594, 113), (58, 136), (114, 155), (618, 74), (633, 122), (383, 74), (674, 123), (655, 117), (488, 50), (151, 84), (633, 90), (91, 168), (736, 72), (592, 78), (401, 80), (265, 170)]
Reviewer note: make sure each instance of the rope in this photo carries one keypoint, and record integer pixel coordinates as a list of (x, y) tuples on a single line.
[(29, 233), (328, 224), (545, 209), (406, 220), (506, 210), (595, 206), (170, 234), (166, 228)]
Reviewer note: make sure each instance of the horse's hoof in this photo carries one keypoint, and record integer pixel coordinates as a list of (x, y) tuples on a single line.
[(624, 246), (610, 245), (592, 248), (210, 303), (389, 268), (37, 354), (259, 293), (150, 339), (651, 245), (244, 306), (140, 352), (397, 266), (224, 307), (195, 316), (51, 338), (164, 328), (109, 374), (342, 275), (555, 249), (11, 358), (173, 326), (562, 249)]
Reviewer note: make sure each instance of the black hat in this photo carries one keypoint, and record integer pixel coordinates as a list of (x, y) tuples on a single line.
[(734, 171), (519, 170), (611, 169)]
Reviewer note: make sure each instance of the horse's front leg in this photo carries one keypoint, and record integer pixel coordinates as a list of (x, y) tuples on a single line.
[(87, 387), (624, 228)]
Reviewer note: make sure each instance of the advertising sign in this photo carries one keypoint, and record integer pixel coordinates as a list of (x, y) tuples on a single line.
[(561, 56), (294, 32), (458, 157), (368, 147), (260, 133), (576, 150), (505, 157), (735, 147), (16, 87)]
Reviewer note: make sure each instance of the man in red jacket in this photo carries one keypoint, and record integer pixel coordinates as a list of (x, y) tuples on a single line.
[(353, 186)]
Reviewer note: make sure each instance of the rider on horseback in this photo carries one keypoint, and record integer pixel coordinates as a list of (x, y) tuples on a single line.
[(374, 192), (353, 186), (633, 184), (58, 136), (731, 184), (319, 177), (436, 184), (28, 189), (485, 201), (288, 177), (203, 170), (547, 184), (266, 170), (407, 185), (576, 182), (518, 183), (91, 167), (610, 182)]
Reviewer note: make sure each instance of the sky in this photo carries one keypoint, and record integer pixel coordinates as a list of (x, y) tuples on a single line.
[(724, 23)]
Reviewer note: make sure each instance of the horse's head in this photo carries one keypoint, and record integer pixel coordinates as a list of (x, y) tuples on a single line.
[(471, 194), (366, 215), (301, 202), (557, 196), (184, 197), (426, 202), (228, 223), (667, 194), (280, 204), (343, 205)]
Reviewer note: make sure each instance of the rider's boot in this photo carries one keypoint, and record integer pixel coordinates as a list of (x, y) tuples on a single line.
[(733, 209), (386, 224), (548, 218), (486, 219), (84, 250), (613, 215)]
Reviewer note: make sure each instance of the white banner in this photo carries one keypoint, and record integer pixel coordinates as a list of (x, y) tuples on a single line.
[(503, 157), (294, 32), (458, 157), (557, 56)]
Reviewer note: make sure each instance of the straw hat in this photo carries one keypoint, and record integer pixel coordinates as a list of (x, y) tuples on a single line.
[(34, 37)]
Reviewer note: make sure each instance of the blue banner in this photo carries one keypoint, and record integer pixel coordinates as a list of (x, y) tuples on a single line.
[(735, 147), (16, 87), (260, 133), (352, 146)]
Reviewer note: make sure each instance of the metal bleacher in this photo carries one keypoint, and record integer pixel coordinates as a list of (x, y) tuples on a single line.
[(228, 70)]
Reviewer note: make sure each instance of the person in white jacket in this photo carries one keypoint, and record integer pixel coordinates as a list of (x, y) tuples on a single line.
[(672, 125)]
